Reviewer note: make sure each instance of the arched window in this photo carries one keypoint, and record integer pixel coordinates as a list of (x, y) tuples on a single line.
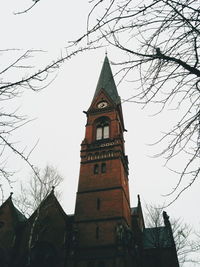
[(102, 129), (102, 132)]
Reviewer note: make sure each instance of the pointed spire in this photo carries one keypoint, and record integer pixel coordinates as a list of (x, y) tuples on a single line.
[(106, 82)]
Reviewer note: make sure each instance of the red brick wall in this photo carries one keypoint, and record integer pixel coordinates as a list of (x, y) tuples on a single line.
[(110, 205), (87, 233), (109, 190), (91, 129), (112, 178)]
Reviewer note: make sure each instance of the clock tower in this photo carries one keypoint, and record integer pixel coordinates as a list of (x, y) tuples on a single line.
[(104, 231), (102, 213)]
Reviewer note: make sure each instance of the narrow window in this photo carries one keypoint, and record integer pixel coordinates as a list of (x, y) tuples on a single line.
[(105, 132), (96, 169), (102, 130), (97, 232), (98, 203), (103, 167), (99, 133)]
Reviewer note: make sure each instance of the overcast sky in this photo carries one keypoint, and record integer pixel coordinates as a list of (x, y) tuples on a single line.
[(59, 121)]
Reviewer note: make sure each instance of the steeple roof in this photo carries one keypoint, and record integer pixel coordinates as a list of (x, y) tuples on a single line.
[(17, 215), (106, 82)]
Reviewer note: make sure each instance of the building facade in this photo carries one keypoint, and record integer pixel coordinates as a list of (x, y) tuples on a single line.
[(104, 230)]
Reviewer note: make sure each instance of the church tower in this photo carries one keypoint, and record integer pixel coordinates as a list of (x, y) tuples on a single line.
[(104, 231), (102, 212)]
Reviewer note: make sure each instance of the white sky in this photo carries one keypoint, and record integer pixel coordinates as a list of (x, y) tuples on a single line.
[(60, 122)]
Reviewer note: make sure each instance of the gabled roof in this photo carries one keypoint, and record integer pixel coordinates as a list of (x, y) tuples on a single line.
[(157, 237), (50, 198), (107, 83), (17, 215), (137, 214)]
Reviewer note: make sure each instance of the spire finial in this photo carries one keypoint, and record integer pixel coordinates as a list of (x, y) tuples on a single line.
[(11, 193), (139, 202), (53, 187), (106, 52), (166, 218)]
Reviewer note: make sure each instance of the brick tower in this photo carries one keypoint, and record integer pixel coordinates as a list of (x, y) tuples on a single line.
[(102, 213), (104, 231)]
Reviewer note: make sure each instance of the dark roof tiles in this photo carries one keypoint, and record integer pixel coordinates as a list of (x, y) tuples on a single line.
[(107, 83), (156, 237)]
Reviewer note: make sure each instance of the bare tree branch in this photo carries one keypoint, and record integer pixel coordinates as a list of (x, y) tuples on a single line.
[(160, 44), (31, 197), (27, 9), (14, 63)]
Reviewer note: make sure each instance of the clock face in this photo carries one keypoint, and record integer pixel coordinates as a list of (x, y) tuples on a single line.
[(102, 104)]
